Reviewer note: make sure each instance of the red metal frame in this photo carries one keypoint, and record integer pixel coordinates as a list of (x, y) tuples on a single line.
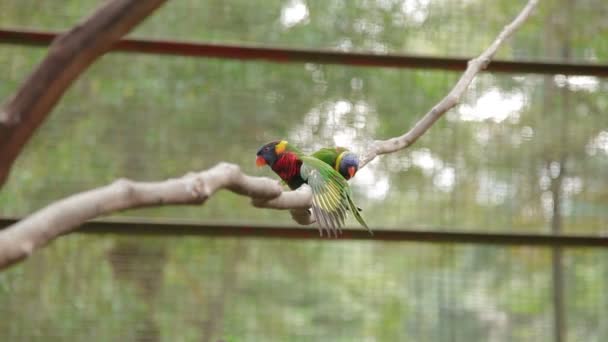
[(176, 228), (283, 55)]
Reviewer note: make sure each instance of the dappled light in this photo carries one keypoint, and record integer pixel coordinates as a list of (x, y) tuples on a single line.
[(491, 191), (578, 83), (294, 13), (493, 105), (598, 144), (372, 182)]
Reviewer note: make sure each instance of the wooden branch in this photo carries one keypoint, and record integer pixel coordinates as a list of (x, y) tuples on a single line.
[(68, 57), (18, 241), (475, 65)]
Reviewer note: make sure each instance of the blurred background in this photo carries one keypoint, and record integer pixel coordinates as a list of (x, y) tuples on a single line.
[(524, 153)]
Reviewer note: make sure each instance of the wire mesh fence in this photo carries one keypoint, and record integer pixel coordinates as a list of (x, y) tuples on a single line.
[(523, 153), (152, 288)]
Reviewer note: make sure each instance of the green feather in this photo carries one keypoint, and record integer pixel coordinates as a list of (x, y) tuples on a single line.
[(329, 155), (331, 195), (355, 210)]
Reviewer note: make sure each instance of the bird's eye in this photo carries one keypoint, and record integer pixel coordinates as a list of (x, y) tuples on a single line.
[(266, 149)]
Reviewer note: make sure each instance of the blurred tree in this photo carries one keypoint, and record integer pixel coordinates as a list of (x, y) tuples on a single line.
[(487, 166)]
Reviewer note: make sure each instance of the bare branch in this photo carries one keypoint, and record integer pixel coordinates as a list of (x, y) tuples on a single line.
[(451, 100), (18, 241), (68, 57)]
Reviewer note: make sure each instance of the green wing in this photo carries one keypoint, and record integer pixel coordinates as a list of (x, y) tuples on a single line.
[(356, 213), (331, 196)]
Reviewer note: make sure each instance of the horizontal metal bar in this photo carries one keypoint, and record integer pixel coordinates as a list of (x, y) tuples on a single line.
[(283, 55), (139, 227)]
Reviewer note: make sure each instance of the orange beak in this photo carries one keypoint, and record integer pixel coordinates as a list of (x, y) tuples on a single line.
[(259, 161), (351, 171)]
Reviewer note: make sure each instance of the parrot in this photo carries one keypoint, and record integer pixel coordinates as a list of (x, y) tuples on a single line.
[(331, 195), (341, 159)]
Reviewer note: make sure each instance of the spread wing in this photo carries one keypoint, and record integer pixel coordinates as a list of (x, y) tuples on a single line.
[(330, 194)]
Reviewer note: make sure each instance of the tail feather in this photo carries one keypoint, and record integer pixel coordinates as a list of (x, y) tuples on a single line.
[(355, 210)]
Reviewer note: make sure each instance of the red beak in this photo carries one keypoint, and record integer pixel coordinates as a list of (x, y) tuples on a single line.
[(351, 172), (259, 161)]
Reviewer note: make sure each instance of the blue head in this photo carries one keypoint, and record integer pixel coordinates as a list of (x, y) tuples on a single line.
[(347, 164)]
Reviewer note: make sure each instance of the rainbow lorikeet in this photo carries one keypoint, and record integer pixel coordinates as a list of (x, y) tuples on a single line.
[(331, 196), (341, 159)]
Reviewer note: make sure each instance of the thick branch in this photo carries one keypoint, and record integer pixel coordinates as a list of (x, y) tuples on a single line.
[(451, 100), (18, 241), (68, 56)]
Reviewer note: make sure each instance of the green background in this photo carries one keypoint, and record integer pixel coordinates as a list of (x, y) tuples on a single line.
[(518, 144)]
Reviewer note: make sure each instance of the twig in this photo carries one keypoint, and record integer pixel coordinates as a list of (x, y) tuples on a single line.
[(475, 65), (68, 57)]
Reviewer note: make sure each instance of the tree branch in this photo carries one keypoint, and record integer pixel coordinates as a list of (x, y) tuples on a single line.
[(475, 65), (68, 57), (18, 241)]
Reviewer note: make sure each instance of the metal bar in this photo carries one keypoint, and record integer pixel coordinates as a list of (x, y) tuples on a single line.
[(289, 55), (172, 228)]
